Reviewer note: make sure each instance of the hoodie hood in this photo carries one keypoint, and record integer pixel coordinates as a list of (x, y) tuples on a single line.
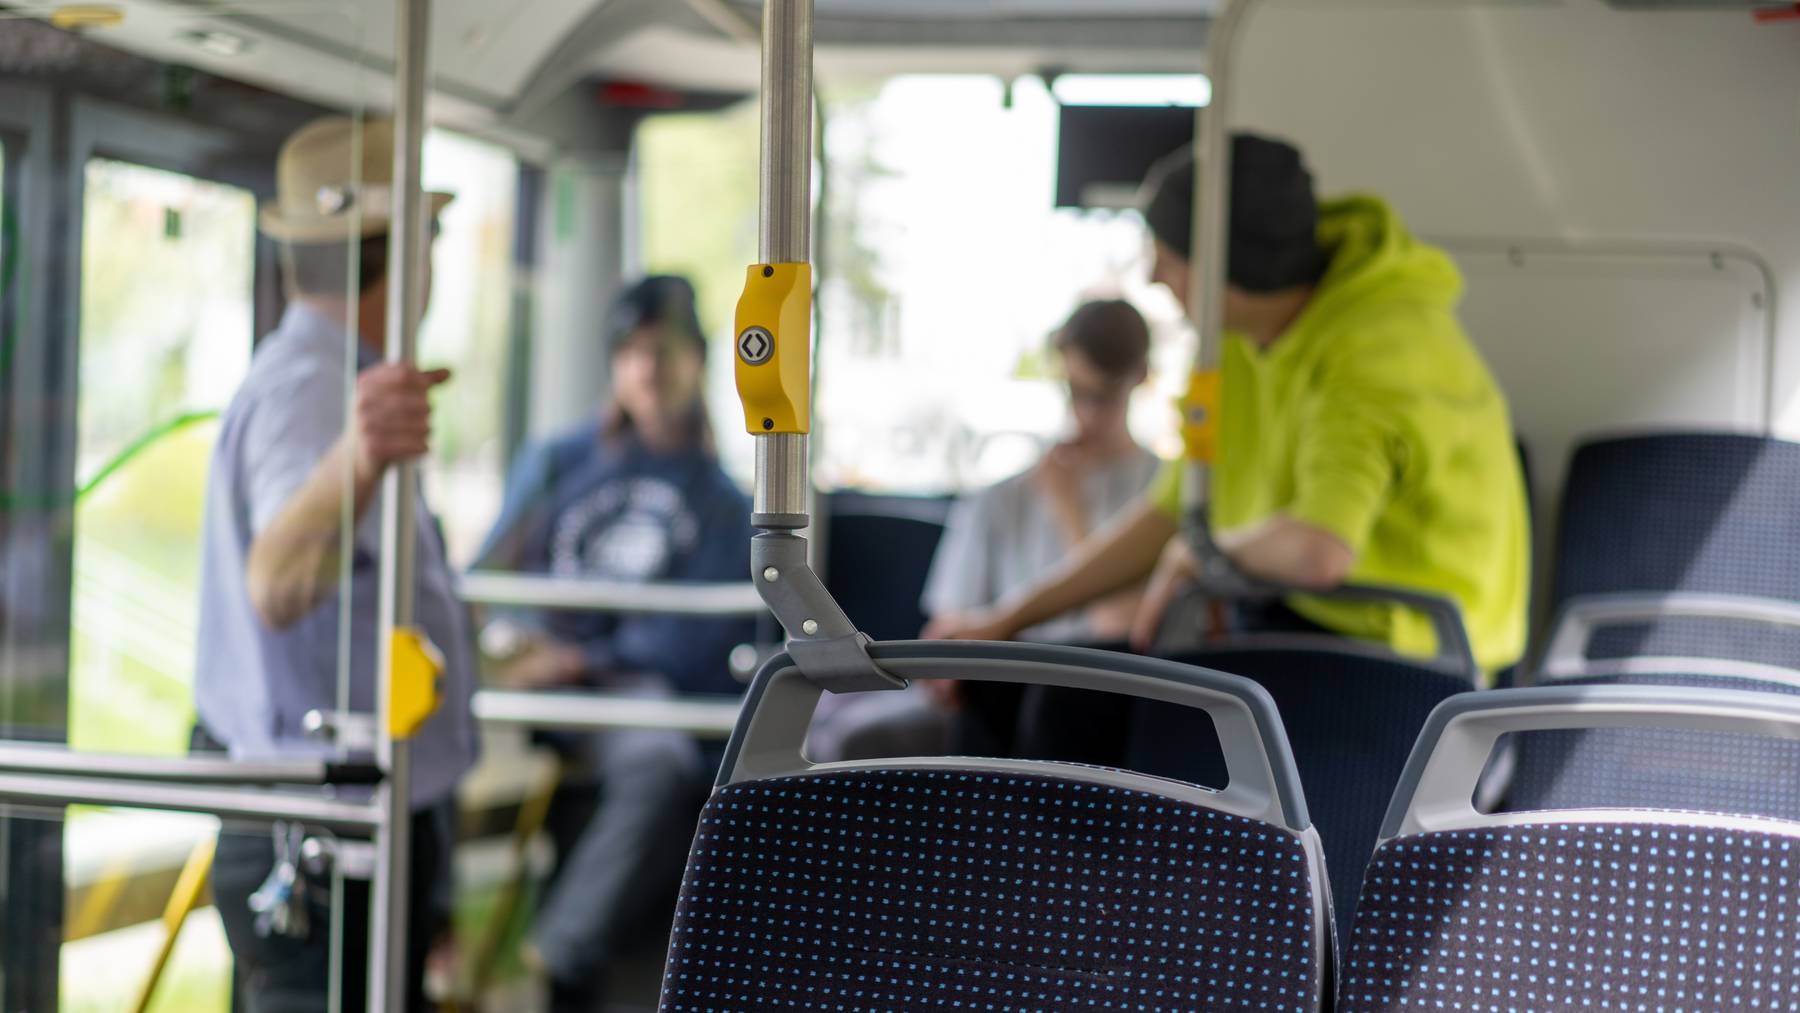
[(1376, 260)]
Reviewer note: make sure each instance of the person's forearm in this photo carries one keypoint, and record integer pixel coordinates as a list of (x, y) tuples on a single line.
[(1292, 553), (1115, 557), (295, 561)]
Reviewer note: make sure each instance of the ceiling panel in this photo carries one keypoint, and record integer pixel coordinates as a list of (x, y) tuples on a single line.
[(1002, 10)]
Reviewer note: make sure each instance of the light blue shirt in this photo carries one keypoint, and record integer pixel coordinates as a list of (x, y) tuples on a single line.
[(254, 684)]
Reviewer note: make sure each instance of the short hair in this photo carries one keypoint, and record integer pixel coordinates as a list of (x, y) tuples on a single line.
[(1110, 333), (320, 269)]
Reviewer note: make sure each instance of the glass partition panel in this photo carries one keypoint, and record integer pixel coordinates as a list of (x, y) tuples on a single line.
[(161, 412), (166, 332)]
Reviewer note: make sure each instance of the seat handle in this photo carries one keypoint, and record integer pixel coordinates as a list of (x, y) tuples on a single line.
[(1264, 782), (1575, 626), (1455, 654), (1436, 790)]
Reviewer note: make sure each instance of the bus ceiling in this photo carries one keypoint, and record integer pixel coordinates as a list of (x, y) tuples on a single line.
[(524, 80)]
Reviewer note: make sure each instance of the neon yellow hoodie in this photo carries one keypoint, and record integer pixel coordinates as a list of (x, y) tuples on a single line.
[(1374, 418)]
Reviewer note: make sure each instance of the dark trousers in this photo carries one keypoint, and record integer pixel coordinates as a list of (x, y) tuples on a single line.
[(282, 974), (619, 869)]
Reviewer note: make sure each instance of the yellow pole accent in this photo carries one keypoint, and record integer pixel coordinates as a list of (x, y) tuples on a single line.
[(182, 901), (98, 899), (533, 811), (774, 348), (416, 667), (1200, 416), (75, 17)]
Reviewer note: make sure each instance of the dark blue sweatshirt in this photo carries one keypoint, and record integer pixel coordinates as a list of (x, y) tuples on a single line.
[(580, 505)]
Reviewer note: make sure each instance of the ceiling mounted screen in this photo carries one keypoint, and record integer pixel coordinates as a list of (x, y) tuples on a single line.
[(1103, 152)]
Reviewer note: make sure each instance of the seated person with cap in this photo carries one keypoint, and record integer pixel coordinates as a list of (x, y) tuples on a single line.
[(636, 496), (1361, 438)]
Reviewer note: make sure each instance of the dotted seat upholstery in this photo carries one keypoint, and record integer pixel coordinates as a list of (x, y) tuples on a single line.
[(1652, 768), (1351, 720), (1711, 513), (925, 888), (1553, 917)]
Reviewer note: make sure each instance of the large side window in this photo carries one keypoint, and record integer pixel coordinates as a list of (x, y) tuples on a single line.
[(166, 322), (167, 263), (697, 194), (943, 266), (466, 329)]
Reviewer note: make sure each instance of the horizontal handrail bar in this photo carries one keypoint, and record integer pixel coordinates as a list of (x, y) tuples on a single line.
[(708, 718), (203, 769), (60, 790), (720, 600)]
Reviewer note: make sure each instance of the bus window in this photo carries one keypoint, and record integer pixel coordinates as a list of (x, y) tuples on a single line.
[(165, 338), (466, 331), (698, 200), (933, 372)]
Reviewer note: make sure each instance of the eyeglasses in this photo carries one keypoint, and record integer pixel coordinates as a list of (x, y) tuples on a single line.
[(1099, 395)]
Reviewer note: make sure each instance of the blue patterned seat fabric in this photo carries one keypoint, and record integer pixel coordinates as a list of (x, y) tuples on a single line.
[(1700, 512), (1544, 918), (1351, 720), (923, 889)]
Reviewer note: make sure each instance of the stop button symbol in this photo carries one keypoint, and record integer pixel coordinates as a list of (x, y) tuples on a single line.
[(755, 346)]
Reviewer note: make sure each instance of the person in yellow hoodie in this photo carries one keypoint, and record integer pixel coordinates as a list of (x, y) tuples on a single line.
[(1362, 437)]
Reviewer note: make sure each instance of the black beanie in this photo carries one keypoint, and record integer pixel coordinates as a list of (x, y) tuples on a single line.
[(1273, 240), (659, 300)]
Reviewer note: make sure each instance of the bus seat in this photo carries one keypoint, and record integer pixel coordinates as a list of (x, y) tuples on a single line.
[(928, 882), (1600, 908), (1656, 768), (1708, 513), (878, 551), (1352, 717)]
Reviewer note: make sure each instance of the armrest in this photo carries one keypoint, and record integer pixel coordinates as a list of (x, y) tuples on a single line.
[(1455, 655), (1579, 620), (1436, 790)]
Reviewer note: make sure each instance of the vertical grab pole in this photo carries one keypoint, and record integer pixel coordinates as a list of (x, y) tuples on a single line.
[(774, 367), (1212, 182), (407, 250), (783, 459)]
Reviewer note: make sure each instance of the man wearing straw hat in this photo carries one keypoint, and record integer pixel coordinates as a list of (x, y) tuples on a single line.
[(289, 580)]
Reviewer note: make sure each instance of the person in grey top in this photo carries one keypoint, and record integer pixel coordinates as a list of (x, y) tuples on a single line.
[(1005, 538), (1008, 535), (289, 529)]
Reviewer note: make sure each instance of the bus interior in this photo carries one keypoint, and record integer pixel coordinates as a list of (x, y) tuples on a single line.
[(1614, 179)]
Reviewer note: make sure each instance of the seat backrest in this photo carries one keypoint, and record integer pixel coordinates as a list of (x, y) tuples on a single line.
[(878, 552), (1658, 767), (1695, 512), (1589, 909), (1001, 884), (1351, 720)]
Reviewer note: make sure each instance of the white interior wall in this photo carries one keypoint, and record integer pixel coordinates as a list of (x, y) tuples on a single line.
[(1589, 162)]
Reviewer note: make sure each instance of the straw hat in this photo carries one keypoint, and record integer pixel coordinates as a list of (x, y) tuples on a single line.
[(320, 197)]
